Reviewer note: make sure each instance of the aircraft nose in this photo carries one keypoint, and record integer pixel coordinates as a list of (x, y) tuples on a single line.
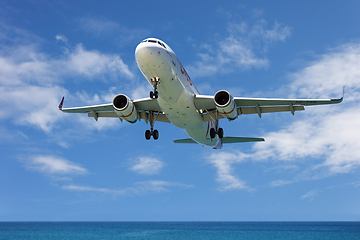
[(141, 52), (145, 53)]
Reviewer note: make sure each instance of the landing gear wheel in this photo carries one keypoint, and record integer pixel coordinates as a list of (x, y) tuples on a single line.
[(147, 134), (155, 82), (220, 133), (212, 132), (155, 134), (154, 94), (152, 132)]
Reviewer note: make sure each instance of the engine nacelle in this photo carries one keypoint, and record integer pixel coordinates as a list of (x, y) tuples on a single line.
[(225, 104), (125, 108)]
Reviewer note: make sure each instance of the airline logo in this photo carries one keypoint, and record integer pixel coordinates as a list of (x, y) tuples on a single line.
[(183, 72)]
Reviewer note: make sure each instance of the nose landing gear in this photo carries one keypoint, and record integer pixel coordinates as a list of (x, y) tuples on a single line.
[(155, 82)]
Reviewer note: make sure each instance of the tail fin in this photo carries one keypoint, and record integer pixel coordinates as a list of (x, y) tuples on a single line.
[(61, 103)]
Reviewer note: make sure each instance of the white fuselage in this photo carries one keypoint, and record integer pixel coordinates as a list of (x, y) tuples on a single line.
[(176, 90)]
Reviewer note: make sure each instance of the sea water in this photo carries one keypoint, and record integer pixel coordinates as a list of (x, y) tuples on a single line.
[(180, 230)]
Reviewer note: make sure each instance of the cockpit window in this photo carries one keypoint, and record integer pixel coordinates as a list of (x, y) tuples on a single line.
[(161, 44), (154, 41)]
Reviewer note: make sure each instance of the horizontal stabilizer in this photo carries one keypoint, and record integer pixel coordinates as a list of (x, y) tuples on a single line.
[(225, 140), (186, 140), (241, 139)]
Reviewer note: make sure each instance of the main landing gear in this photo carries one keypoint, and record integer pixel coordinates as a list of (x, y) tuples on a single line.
[(155, 82), (152, 132), (216, 130), (149, 133)]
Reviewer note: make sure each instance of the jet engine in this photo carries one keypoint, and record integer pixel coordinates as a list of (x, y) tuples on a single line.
[(225, 104), (125, 108)]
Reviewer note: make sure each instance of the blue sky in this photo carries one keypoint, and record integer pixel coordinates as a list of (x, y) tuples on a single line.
[(67, 167)]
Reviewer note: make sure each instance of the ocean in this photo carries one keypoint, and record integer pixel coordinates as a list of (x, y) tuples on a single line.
[(180, 230)]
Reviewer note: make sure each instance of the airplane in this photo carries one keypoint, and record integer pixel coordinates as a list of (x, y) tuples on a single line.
[(176, 100)]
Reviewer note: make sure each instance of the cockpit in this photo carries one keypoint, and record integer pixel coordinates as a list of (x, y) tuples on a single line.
[(154, 41)]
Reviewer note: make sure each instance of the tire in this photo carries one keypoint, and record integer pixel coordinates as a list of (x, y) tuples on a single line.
[(147, 134), (220, 133), (212, 132), (151, 94), (156, 134), (156, 94)]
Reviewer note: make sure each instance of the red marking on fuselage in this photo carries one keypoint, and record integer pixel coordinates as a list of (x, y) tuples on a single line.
[(183, 72)]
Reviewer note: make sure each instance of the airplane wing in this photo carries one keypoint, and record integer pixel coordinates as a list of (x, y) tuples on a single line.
[(206, 105), (143, 106)]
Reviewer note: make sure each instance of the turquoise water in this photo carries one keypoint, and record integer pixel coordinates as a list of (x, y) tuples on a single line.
[(180, 230)]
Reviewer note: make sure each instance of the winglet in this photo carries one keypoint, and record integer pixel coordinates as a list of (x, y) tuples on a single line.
[(339, 100), (61, 103)]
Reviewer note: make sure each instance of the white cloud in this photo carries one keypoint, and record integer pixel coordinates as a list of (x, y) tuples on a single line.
[(139, 188), (330, 131), (235, 51), (91, 63), (240, 49), (223, 163), (141, 91), (157, 186), (330, 135), (278, 183), (310, 195), (31, 105), (30, 80), (24, 64), (322, 138), (62, 38), (50, 165), (277, 33), (328, 74), (355, 184), (147, 166), (92, 189)]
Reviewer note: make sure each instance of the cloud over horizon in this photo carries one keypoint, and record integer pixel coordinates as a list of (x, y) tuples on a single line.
[(139, 188)]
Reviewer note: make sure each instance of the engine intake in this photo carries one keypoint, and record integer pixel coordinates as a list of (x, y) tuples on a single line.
[(125, 108), (225, 104)]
